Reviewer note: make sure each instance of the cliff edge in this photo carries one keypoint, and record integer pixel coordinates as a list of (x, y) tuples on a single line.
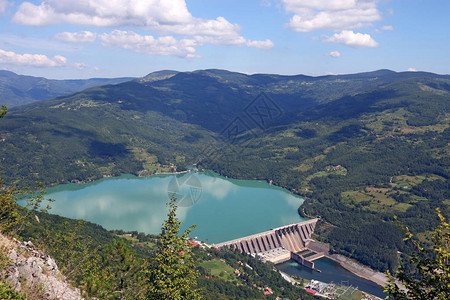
[(32, 272)]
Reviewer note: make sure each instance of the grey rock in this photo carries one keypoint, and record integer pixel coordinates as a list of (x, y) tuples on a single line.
[(37, 271)]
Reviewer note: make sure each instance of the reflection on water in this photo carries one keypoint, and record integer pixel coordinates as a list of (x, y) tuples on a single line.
[(331, 271), (226, 209)]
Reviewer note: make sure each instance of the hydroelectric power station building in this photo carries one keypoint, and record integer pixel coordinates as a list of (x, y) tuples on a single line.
[(280, 244)]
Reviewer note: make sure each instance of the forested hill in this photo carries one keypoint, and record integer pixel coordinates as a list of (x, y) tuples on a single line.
[(361, 148), (18, 90)]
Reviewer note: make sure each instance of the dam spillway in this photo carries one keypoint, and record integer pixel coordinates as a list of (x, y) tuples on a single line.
[(275, 245)]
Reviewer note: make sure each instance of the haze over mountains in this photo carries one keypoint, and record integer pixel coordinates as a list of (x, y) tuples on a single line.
[(19, 89), (361, 147)]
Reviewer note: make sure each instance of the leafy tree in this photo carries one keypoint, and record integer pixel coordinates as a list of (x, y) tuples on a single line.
[(9, 215), (116, 273), (431, 277), (3, 111), (173, 274)]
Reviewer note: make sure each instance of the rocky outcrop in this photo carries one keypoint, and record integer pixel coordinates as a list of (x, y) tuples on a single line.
[(36, 274)]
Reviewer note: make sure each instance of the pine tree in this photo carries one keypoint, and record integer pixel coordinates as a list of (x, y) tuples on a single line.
[(173, 274), (116, 273)]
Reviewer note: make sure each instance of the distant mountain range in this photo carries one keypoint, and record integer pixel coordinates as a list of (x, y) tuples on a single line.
[(18, 90), (360, 148)]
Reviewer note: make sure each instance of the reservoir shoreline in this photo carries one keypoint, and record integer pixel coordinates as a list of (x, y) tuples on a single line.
[(363, 272), (350, 265), (359, 270), (222, 208)]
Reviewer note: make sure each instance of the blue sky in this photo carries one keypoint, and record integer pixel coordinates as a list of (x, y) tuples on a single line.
[(111, 38)]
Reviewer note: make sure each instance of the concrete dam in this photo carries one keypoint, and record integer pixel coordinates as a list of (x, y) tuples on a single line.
[(279, 244)]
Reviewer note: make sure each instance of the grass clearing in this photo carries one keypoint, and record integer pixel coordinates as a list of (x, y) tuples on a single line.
[(309, 163), (405, 182), (329, 170), (374, 199), (221, 269)]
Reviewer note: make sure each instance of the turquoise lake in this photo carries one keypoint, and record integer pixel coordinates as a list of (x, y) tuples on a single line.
[(223, 209)]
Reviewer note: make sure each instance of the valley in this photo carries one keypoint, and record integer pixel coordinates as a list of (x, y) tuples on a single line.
[(361, 149)]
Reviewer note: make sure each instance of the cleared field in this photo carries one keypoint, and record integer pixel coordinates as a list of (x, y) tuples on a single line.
[(216, 267), (135, 241), (374, 199), (383, 199)]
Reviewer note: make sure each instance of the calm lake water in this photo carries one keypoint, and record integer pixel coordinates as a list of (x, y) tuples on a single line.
[(223, 209), (331, 272)]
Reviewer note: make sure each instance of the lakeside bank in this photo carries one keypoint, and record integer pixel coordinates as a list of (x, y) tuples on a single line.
[(215, 185), (350, 264)]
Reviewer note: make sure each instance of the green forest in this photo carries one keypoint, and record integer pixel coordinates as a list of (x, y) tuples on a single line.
[(134, 265), (361, 149)]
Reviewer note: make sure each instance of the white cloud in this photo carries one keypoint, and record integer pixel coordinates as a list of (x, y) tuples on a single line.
[(3, 5), (233, 39), (412, 70), (80, 66), (169, 45), (311, 15), (37, 60), (267, 44), (104, 12), (165, 17), (349, 38), (76, 37), (162, 16), (334, 54), (387, 27), (165, 45)]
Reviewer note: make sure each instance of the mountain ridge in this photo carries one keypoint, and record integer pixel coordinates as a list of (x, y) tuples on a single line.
[(18, 89), (359, 149)]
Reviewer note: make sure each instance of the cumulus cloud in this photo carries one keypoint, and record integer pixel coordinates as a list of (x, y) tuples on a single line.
[(37, 60), (104, 12), (76, 37), (412, 70), (234, 40), (349, 38), (334, 54), (169, 45), (165, 45), (387, 27), (311, 15), (267, 44), (165, 17)]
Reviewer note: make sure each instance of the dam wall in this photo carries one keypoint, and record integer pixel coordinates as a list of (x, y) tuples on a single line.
[(292, 237), (302, 260), (279, 244)]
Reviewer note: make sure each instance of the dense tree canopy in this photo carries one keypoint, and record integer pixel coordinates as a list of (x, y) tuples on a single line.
[(173, 274), (430, 276)]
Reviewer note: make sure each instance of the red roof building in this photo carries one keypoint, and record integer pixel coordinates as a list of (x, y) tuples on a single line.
[(313, 292)]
